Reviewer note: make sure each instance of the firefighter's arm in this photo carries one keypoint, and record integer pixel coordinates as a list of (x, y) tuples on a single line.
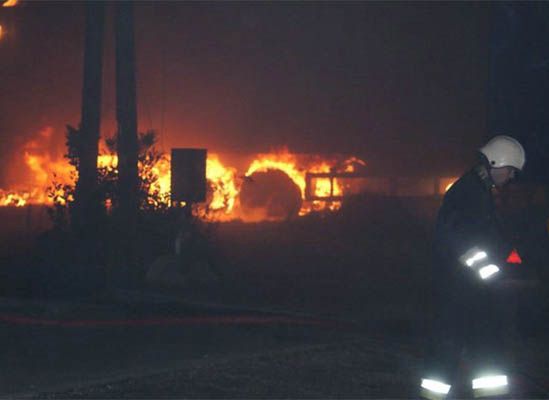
[(479, 245)]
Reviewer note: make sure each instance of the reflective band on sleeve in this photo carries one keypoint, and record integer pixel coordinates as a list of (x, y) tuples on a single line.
[(488, 270), (481, 255), (472, 256)]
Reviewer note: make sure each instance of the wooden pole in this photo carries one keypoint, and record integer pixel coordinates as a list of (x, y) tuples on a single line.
[(126, 114), (85, 200)]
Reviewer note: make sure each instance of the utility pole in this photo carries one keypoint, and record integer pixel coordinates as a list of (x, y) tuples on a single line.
[(126, 115), (86, 201)]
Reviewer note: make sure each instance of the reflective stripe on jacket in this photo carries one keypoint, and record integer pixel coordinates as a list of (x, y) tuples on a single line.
[(468, 218)]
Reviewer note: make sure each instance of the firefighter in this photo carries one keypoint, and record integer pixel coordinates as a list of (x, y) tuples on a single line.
[(470, 249)]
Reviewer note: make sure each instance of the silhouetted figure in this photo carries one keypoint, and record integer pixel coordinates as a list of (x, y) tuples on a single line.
[(470, 251)]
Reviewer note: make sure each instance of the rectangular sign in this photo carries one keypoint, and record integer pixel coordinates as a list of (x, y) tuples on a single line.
[(188, 175)]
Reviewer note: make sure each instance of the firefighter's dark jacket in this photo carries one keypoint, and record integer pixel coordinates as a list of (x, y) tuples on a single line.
[(468, 218)]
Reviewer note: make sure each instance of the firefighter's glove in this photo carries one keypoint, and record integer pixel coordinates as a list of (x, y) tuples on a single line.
[(478, 260)]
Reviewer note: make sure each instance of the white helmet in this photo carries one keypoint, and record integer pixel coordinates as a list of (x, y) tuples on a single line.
[(504, 151)]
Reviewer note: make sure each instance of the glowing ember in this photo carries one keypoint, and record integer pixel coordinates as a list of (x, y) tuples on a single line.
[(1, 31)]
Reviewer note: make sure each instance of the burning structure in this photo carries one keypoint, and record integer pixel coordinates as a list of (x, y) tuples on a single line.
[(266, 186), (272, 186)]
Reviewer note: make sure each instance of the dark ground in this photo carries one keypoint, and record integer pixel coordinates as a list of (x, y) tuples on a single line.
[(364, 272)]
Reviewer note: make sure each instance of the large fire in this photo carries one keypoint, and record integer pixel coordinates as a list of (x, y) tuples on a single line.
[(288, 163), (224, 181)]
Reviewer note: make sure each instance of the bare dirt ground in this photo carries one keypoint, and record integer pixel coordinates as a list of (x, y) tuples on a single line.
[(367, 267), (358, 368)]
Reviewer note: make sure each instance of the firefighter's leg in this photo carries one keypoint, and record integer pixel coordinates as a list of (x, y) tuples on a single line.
[(443, 349), (490, 364)]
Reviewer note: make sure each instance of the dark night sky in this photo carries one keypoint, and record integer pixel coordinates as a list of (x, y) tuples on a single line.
[(401, 84)]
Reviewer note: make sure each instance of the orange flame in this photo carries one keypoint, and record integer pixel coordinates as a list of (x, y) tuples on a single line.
[(10, 3), (324, 187), (287, 162), (160, 170), (13, 199), (447, 183), (221, 179), (223, 183), (222, 204), (350, 164), (282, 161)]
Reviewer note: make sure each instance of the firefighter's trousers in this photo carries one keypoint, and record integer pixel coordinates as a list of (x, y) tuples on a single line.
[(470, 328)]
